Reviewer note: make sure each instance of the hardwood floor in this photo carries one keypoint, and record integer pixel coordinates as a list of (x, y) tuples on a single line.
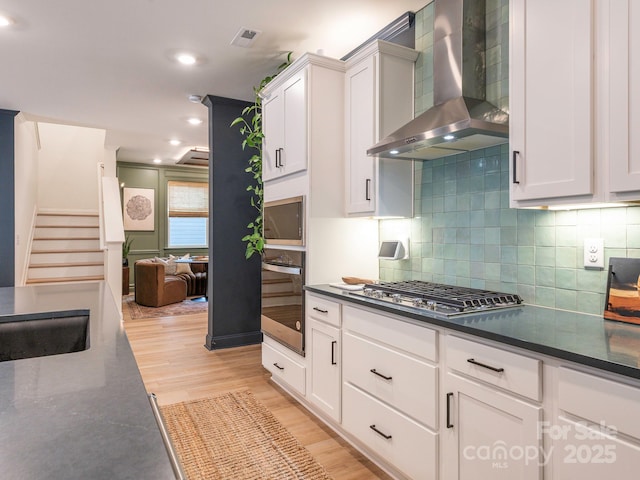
[(176, 366)]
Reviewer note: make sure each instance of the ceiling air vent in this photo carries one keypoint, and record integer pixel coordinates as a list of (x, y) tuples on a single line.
[(195, 157), (245, 37)]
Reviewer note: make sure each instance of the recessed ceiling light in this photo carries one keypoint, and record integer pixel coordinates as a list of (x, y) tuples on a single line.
[(175, 142), (186, 58), (194, 121), (394, 152), (449, 137), (195, 98), (157, 160), (5, 21)]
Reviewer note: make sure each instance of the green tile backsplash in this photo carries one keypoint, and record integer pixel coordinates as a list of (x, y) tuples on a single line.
[(464, 233)]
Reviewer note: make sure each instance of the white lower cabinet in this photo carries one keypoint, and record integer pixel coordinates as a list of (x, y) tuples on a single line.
[(489, 431), (390, 390), (283, 367), (324, 389), (398, 439), (596, 433), (488, 434)]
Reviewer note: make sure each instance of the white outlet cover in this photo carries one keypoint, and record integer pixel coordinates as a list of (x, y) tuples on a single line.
[(594, 253)]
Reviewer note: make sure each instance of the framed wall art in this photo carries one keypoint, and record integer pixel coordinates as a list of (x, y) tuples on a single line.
[(138, 209)]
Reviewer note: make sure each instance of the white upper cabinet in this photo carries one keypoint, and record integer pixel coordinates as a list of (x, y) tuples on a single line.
[(285, 127), (623, 97), (551, 100), (378, 100)]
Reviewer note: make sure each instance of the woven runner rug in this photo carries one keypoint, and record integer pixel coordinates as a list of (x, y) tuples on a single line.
[(234, 437), (186, 307)]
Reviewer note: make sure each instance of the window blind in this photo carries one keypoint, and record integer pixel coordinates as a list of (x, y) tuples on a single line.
[(188, 199)]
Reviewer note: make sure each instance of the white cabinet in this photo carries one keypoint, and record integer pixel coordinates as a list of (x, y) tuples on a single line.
[(488, 430), (596, 433), (379, 99), (285, 128), (551, 100), (285, 369), (623, 98), (323, 341), (390, 390)]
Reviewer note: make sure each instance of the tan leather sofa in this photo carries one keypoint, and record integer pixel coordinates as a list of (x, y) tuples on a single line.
[(154, 288)]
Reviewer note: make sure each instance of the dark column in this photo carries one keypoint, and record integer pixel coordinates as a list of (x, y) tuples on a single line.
[(234, 282), (7, 199)]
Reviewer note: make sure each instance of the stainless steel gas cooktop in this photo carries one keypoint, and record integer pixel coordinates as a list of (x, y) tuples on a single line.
[(444, 299)]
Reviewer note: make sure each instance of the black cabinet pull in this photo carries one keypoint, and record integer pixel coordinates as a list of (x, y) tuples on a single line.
[(373, 427), (320, 310), (333, 352), (515, 176), (449, 424), (483, 365), (367, 185), (280, 157), (278, 366), (277, 155), (373, 370)]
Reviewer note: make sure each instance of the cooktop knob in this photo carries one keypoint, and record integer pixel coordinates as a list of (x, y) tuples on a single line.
[(431, 305), (396, 297), (377, 294), (368, 292), (417, 302)]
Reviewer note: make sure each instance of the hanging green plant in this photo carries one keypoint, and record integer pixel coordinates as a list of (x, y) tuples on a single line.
[(251, 127)]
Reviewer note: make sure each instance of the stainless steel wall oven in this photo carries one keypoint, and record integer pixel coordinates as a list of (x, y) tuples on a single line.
[(282, 297)]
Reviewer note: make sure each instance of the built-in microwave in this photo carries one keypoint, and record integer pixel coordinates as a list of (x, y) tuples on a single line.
[(283, 221)]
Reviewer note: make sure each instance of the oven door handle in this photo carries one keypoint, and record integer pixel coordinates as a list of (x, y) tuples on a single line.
[(281, 269)]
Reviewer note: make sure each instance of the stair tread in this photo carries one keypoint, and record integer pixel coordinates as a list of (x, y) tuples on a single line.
[(66, 214), (67, 226), (64, 251), (65, 279), (66, 238), (278, 294), (66, 264)]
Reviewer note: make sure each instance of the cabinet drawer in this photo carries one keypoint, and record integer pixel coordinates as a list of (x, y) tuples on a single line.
[(323, 309), (284, 368), (407, 384), (598, 400), (407, 337), (510, 371), (411, 448)]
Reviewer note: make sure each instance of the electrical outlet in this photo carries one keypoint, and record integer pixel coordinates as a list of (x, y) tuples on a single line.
[(593, 253)]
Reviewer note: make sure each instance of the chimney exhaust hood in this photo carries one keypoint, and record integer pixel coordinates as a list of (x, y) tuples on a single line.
[(461, 120)]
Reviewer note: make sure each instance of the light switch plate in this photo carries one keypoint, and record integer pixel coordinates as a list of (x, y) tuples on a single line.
[(593, 253)]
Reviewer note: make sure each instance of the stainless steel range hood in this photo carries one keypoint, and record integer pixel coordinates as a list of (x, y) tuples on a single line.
[(461, 120)]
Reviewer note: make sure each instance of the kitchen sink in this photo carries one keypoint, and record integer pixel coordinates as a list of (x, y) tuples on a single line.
[(39, 335)]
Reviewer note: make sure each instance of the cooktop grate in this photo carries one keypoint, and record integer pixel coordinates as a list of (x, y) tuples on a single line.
[(460, 298)]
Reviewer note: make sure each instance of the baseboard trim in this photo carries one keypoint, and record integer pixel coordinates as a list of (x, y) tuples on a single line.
[(236, 340)]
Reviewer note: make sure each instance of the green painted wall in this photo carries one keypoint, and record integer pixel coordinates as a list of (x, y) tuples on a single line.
[(154, 244)]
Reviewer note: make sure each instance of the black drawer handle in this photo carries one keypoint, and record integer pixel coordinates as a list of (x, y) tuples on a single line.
[(515, 176), (449, 424), (483, 365), (320, 310), (333, 352), (375, 372), (373, 427), (278, 366)]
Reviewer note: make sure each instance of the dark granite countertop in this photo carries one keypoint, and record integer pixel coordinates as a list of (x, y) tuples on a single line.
[(585, 339), (77, 415)]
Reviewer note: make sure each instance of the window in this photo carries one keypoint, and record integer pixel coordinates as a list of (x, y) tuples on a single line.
[(188, 214)]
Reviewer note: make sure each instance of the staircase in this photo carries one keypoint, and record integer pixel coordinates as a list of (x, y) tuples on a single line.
[(65, 248)]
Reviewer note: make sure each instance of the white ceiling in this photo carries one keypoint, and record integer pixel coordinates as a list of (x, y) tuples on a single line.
[(109, 64)]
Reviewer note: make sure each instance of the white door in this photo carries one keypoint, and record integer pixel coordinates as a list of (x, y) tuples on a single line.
[(488, 434), (325, 367), (360, 124), (551, 98)]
